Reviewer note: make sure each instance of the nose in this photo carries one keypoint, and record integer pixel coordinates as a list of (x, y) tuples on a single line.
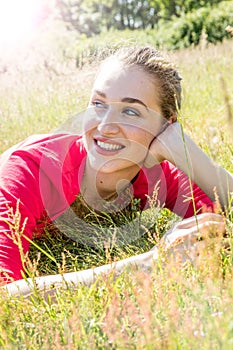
[(108, 124)]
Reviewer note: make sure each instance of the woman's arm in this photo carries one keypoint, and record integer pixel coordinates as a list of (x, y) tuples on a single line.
[(178, 240), (178, 148), (49, 284)]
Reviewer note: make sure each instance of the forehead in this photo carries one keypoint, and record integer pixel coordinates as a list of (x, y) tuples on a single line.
[(117, 81)]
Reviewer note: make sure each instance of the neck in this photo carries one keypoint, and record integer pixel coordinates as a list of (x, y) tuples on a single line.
[(97, 185)]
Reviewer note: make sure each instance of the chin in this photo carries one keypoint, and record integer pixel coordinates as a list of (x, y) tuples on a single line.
[(104, 168), (115, 166)]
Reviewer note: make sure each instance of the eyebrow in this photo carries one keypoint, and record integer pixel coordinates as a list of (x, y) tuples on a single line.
[(98, 92), (134, 100), (124, 99)]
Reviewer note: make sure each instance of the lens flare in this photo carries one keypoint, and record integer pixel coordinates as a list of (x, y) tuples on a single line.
[(18, 20)]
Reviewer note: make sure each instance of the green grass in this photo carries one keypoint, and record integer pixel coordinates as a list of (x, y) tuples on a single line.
[(171, 308)]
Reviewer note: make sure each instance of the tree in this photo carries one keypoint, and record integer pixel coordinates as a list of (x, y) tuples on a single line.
[(92, 16), (79, 17)]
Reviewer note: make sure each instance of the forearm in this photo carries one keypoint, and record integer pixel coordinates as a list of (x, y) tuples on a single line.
[(179, 149), (48, 284)]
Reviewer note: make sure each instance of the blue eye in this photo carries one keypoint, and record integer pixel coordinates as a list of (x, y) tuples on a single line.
[(98, 104), (131, 112)]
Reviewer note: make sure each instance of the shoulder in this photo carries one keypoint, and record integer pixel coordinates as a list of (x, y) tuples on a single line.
[(47, 151), (39, 141), (35, 145)]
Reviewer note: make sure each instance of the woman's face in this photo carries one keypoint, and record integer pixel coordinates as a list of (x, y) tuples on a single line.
[(122, 119)]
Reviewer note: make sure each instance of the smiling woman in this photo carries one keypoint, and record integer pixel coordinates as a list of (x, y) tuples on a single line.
[(127, 119), (131, 145), (18, 20)]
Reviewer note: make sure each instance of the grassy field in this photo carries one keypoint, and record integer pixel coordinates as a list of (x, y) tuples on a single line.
[(170, 308)]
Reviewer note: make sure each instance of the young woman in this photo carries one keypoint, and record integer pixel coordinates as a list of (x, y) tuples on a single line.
[(131, 143)]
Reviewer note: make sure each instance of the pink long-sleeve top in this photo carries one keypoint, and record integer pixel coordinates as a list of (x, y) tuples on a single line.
[(41, 176)]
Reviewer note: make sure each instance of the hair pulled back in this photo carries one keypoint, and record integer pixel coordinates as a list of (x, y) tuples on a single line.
[(163, 73)]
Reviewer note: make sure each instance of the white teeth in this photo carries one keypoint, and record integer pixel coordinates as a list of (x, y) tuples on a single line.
[(109, 146)]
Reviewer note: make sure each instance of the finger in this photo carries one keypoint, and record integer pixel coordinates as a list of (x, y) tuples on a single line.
[(194, 234), (152, 159), (210, 229), (180, 254), (192, 225), (199, 219)]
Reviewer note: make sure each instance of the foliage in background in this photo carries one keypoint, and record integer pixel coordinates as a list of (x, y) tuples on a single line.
[(190, 28), (172, 24), (204, 24), (90, 17)]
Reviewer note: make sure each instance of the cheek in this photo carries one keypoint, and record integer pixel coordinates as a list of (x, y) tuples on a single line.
[(88, 128), (148, 139), (89, 123), (143, 138)]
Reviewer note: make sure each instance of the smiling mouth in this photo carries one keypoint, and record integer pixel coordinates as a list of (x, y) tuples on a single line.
[(108, 146)]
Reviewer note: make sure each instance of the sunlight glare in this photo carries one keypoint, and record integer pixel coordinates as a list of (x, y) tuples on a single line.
[(18, 20)]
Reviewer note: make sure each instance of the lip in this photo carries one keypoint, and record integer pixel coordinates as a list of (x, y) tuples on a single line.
[(106, 146)]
